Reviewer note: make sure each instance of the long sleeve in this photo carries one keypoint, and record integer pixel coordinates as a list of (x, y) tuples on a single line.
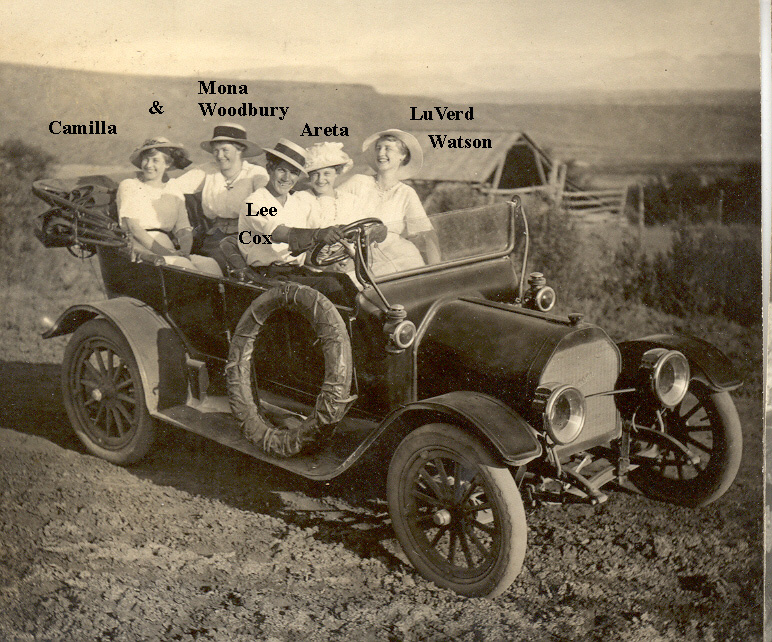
[(191, 181)]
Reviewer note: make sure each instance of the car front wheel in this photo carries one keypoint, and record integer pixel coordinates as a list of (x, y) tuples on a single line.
[(103, 394), (707, 424), (456, 511)]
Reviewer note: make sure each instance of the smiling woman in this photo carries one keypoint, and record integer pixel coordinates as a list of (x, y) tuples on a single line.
[(224, 184), (154, 211), (412, 241)]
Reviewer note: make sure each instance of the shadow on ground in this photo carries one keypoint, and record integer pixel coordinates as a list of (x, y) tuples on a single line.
[(349, 509)]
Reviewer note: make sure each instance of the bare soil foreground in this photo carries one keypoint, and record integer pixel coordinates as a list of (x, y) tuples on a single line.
[(202, 543)]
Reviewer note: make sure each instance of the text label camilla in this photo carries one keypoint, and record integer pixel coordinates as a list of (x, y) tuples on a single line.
[(93, 127)]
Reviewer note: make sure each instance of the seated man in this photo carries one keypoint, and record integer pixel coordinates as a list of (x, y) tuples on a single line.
[(272, 213)]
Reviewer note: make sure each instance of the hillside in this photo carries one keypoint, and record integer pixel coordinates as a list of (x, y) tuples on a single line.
[(604, 135)]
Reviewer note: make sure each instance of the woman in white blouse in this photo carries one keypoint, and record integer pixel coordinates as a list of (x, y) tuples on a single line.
[(325, 162), (225, 183), (396, 155), (153, 210)]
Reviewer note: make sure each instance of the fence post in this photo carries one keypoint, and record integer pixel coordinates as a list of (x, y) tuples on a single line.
[(721, 207)]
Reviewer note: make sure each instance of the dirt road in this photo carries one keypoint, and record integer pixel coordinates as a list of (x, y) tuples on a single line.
[(201, 543)]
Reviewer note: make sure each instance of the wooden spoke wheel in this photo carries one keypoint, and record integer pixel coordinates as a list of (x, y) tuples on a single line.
[(706, 422), (103, 394), (457, 512)]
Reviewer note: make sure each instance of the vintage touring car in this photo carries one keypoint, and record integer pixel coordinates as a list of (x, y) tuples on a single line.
[(480, 396)]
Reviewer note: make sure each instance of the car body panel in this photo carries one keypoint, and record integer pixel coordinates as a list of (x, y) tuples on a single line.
[(157, 348), (708, 364), (478, 357)]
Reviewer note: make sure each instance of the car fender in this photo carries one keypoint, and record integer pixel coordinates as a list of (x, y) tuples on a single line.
[(707, 363), (510, 435), (158, 350)]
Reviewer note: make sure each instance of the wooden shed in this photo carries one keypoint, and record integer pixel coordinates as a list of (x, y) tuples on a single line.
[(504, 164)]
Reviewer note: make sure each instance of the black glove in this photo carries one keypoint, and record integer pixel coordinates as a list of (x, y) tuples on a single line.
[(300, 240), (328, 235)]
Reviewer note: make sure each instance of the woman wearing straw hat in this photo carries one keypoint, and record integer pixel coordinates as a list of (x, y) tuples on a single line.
[(325, 162), (396, 155), (288, 227), (224, 183), (330, 206), (154, 211)]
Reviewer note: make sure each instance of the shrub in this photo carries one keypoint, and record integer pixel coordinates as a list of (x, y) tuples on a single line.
[(552, 242), (446, 198), (25, 162), (714, 269), (557, 250), (711, 269), (21, 164), (690, 196), (632, 272)]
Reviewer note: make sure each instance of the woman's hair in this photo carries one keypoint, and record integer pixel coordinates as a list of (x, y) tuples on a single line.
[(179, 157), (338, 169), (240, 146), (400, 143), (166, 152)]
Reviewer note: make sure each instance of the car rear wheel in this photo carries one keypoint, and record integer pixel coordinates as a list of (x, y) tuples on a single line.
[(103, 394), (706, 422), (456, 511)]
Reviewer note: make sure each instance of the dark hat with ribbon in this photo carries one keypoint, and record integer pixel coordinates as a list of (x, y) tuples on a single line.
[(231, 133)]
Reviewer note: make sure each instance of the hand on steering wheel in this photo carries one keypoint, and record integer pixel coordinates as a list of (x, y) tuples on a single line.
[(328, 235), (322, 255)]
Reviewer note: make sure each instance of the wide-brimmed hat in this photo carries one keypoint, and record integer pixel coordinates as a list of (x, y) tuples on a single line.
[(294, 154), (411, 142), (231, 133), (177, 152), (321, 155)]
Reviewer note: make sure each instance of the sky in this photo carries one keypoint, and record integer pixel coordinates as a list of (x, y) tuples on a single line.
[(402, 44)]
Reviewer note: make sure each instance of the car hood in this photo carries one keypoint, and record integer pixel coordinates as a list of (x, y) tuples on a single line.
[(507, 351)]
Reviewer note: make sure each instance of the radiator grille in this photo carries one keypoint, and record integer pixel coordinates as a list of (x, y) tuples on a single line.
[(592, 366)]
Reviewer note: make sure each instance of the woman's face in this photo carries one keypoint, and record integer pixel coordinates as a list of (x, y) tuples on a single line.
[(282, 178), (227, 156), (388, 155), (154, 164), (323, 181)]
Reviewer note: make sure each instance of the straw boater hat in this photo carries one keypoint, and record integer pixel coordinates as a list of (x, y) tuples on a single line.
[(321, 155), (294, 154), (175, 150), (411, 142), (231, 133)]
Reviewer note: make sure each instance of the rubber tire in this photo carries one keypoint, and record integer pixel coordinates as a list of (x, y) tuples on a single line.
[(135, 443), (501, 492), (712, 482)]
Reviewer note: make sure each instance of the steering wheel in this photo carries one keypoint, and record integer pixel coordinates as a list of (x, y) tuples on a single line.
[(322, 255)]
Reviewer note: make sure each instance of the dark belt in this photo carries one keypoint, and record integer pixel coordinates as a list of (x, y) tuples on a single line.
[(272, 271), (156, 229)]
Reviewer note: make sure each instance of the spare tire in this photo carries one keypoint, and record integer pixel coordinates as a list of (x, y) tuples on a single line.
[(334, 398)]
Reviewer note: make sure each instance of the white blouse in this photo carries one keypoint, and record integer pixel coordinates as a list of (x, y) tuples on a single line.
[(398, 207), (342, 209), (154, 208), (222, 198)]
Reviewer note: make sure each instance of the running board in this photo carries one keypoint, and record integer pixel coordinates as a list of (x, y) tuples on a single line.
[(211, 418)]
